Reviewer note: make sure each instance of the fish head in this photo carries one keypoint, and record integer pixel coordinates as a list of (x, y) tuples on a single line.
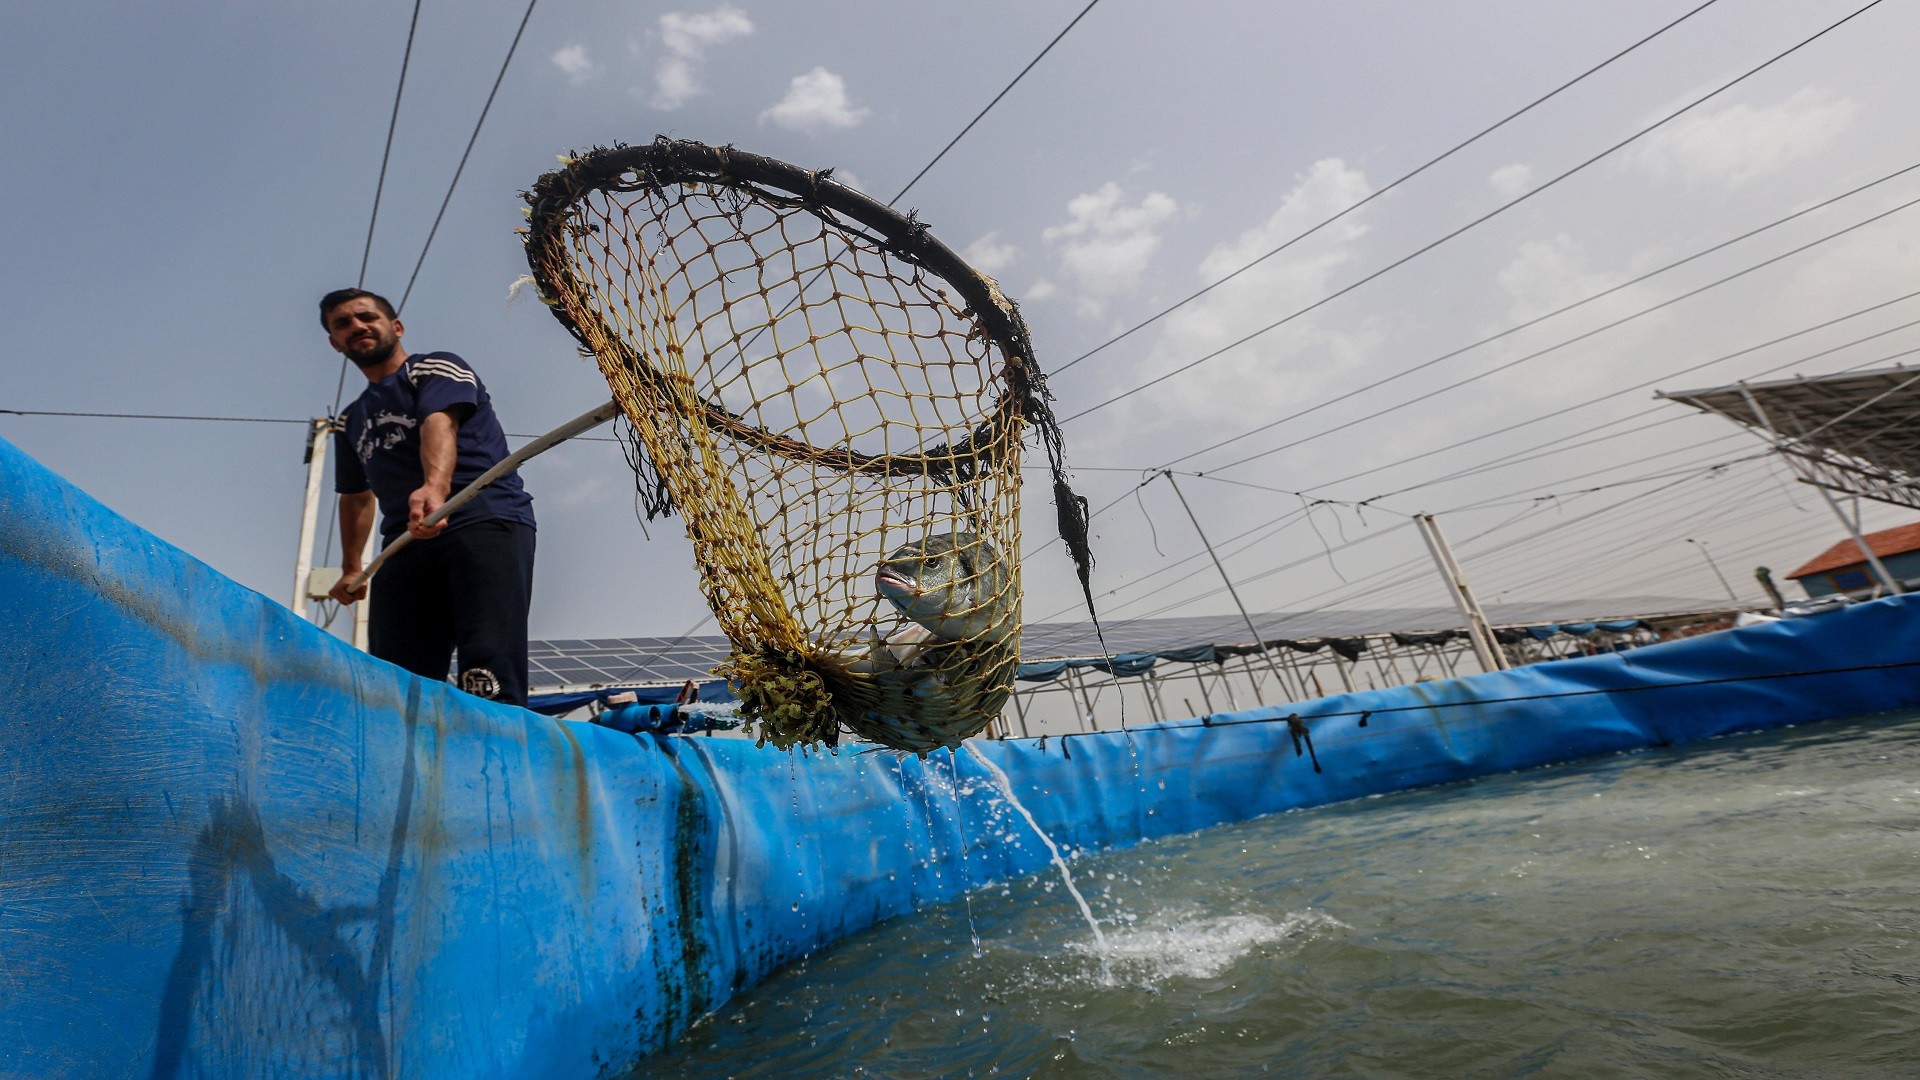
[(954, 584)]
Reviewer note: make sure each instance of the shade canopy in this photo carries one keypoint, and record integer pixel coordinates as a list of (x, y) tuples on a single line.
[(578, 663)]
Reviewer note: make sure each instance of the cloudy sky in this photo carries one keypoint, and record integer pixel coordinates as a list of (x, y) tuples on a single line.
[(185, 180)]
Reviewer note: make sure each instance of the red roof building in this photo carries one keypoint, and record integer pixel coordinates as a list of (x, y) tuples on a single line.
[(1840, 568)]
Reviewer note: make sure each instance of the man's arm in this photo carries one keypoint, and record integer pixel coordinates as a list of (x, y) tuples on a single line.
[(356, 524), (439, 448)]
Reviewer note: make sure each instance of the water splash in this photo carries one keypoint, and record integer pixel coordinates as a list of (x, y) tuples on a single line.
[(1006, 790), (1198, 947)]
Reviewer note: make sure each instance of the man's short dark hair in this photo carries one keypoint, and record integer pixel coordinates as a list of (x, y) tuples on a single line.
[(340, 296)]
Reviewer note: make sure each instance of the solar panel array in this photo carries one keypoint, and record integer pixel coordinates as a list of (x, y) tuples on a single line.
[(1854, 431), (571, 662), (575, 663)]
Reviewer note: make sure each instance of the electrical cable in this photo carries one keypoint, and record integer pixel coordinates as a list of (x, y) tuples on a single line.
[(1505, 460), (1403, 260), (151, 416), (1528, 357), (955, 141), (1555, 313), (1644, 384), (379, 186), (462, 167), (1610, 395), (1431, 162)]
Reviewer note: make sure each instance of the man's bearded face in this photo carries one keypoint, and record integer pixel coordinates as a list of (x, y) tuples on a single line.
[(362, 332)]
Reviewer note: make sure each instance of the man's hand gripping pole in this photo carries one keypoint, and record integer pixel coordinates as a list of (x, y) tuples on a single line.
[(579, 425)]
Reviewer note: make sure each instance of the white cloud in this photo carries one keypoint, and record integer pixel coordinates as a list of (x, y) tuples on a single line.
[(1737, 143), (1548, 274), (1039, 290), (1105, 245), (588, 492), (816, 101), (1866, 267), (687, 37), (1511, 180), (1282, 368), (574, 64), (990, 255)]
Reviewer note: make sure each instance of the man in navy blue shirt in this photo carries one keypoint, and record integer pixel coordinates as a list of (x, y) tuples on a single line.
[(423, 429)]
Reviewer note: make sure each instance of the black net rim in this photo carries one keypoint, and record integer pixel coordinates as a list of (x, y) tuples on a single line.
[(667, 162)]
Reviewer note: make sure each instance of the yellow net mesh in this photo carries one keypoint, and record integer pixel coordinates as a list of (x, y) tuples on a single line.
[(834, 403)]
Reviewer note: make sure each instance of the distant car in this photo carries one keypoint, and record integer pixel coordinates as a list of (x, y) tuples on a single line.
[(1817, 606)]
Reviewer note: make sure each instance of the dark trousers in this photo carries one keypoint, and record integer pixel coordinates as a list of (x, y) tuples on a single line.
[(467, 591)]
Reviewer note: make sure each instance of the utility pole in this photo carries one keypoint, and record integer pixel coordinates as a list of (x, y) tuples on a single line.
[(362, 610), (1485, 647), (317, 431), (1731, 595), (1231, 591)]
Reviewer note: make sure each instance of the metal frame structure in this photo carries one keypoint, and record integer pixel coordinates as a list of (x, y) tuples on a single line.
[(1853, 433), (1240, 676)]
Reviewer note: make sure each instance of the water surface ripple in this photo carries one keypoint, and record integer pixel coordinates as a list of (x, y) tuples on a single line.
[(1742, 907)]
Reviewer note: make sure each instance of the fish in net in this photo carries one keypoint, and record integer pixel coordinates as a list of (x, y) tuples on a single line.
[(835, 404)]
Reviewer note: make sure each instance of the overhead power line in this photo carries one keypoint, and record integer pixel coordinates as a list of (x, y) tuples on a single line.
[(1646, 383), (1585, 403), (471, 139), (1489, 215), (1430, 163), (153, 416), (380, 186), (232, 420), (1661, 306), (1555, 313), (955, 141), (386, 154)]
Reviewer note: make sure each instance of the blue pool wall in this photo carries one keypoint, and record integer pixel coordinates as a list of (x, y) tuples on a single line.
[(231, 845)]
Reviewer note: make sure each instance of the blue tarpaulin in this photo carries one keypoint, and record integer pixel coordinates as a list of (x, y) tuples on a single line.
[(250, 849), (1124, 664), (1582, 629)]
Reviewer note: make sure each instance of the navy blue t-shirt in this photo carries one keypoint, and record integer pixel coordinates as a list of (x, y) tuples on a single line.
[(380, 448)]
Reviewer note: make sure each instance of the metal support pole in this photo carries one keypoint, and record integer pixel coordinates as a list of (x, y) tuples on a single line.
[(1231, 591), (1340, 665), (1200, 677), (1887, 580), (1485, 647), (363, 609), (1253, 680), (1715, 567), (1150, 686), (317, 431), (1073, 676), (1299, 689)]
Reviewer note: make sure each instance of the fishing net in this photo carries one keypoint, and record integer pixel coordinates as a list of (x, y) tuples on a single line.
[(835, 404)]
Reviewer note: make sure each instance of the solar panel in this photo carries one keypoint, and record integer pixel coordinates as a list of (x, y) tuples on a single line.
[(1852, 432)]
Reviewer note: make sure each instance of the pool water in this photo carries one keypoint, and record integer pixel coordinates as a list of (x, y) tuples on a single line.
[(1747, 906)]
